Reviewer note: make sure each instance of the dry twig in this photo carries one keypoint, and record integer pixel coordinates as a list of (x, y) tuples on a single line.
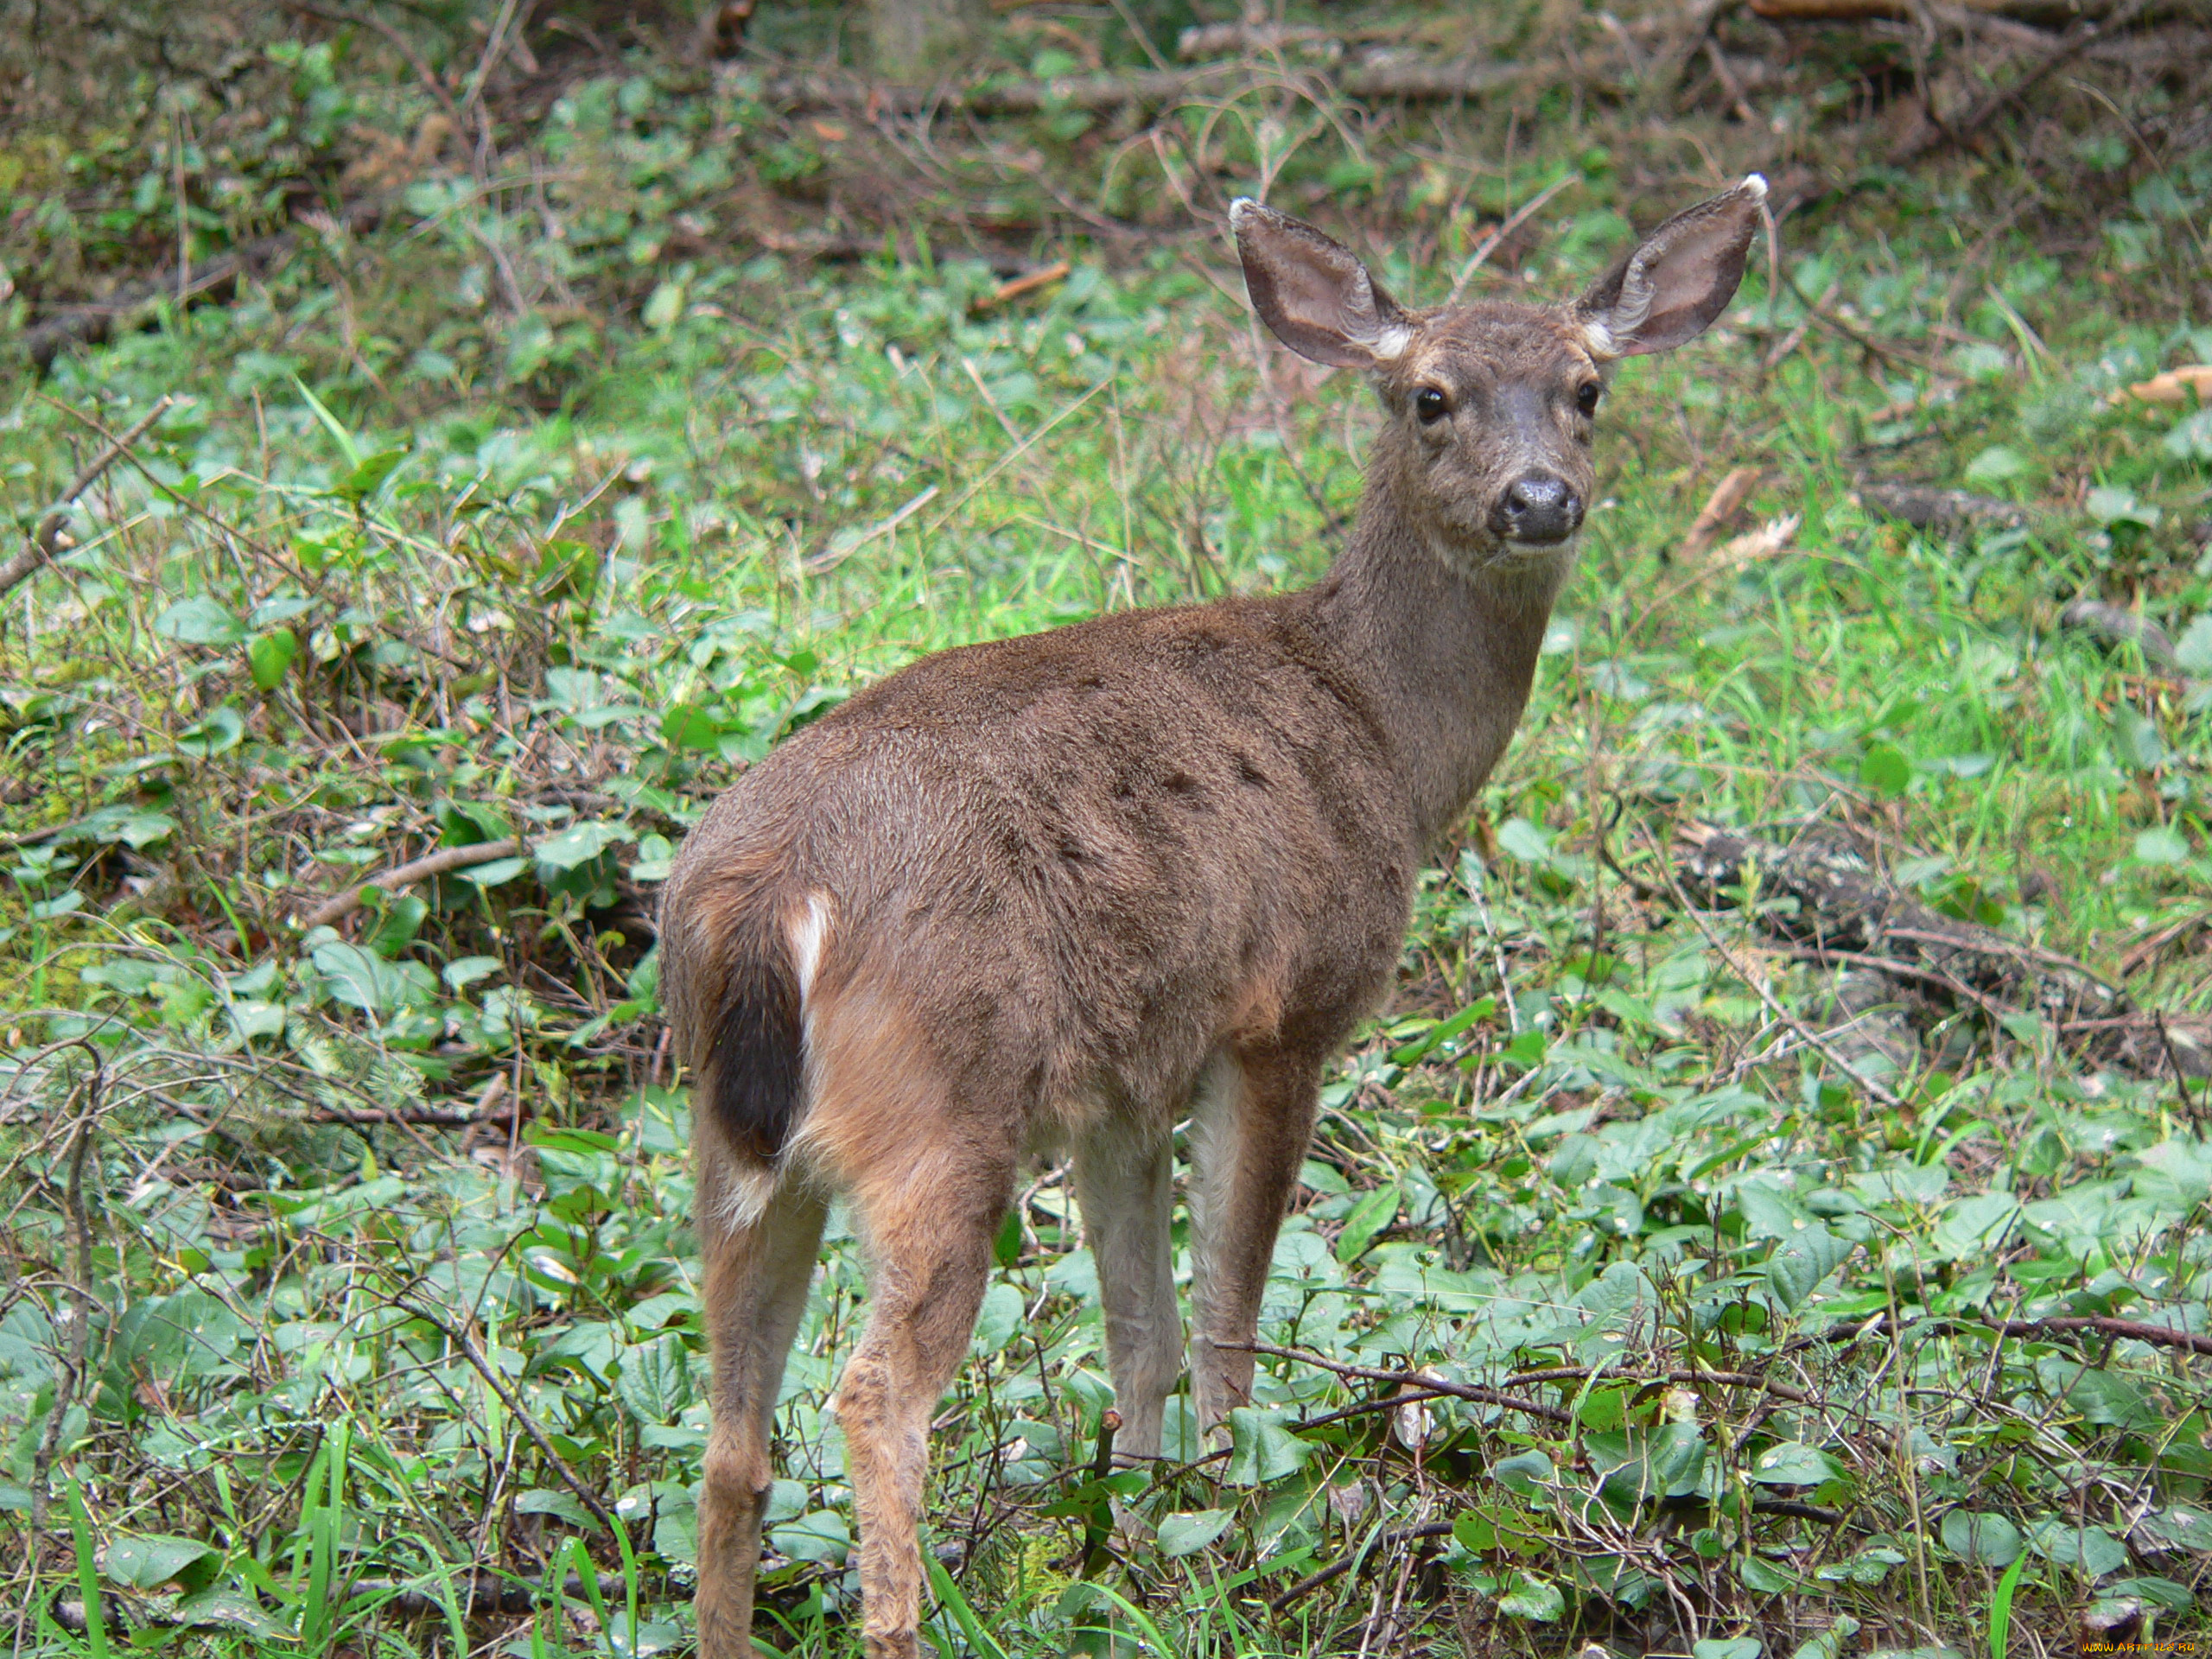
[(46, 541)]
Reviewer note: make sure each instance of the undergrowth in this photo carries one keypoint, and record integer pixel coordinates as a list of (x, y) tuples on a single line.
[(1657, 1278)]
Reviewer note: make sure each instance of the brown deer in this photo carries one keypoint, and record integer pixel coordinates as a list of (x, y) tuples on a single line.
[(1062, 892)]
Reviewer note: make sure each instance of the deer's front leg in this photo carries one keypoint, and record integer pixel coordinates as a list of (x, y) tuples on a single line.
[(1249, 1132), (1126, 1187)]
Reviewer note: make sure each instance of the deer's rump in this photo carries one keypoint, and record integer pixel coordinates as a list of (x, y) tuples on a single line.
[(1070, 866)]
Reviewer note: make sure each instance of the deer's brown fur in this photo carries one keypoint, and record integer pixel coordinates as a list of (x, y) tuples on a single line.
[(1065, 891)]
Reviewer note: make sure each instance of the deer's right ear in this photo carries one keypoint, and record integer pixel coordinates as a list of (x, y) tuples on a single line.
[(1313, 292)]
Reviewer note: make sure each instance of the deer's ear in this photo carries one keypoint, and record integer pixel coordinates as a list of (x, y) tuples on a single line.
[(1677, 280), (1313, 293)]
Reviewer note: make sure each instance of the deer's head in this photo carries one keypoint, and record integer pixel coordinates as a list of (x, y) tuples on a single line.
[(1492, 406)]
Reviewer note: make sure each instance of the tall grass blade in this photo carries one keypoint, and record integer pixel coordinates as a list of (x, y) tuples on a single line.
[(2000, 1606)]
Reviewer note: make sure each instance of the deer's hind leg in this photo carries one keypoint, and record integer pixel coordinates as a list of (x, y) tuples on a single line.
[(928, 1206), (757, 1268)]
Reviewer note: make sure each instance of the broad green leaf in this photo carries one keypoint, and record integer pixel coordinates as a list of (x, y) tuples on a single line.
[(358, 978), (1767, 1577), (2191, 440), (1976, 1225), (1831, 1643), (200, 621), (1524, 841), (1002, 1314), (1524, 1472), (1187, 1532), (664, 306), (150, 1561), (463, 972), (224, 1606), (1996, 464), (1801, 1261), (1369, 1217), (655, 1379), (2136, 739), (821, 1537), (579, 843), (2158, 1592), (687, 725), (2111, 504), (498, 873), (559, 1503), (2087, 1549), (2184, 1526), (1534, 1598), (2161, 846), (269, 655), (1793, 1464), (1260, 1448), (1986, 1539), (2193, 651), (368, 474), (216, 732), (1727, 1647), (1884, 768)]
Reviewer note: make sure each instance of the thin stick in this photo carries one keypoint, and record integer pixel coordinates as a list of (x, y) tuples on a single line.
[(1409, 1379), (69, 1366), (1335, 1570), (333, 911), (538, 1438), (1489, 244), (46, 541)]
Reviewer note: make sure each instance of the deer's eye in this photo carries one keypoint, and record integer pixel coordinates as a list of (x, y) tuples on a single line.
[(1431, 406), (1585, 398)]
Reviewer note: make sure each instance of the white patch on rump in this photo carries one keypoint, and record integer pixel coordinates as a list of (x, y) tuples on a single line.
[(808, 930)]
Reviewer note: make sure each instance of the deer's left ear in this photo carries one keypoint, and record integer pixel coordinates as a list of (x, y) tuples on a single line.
[(1676, 281)]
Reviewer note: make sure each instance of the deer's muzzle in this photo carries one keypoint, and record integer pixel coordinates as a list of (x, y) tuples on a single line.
[(1538, 509)]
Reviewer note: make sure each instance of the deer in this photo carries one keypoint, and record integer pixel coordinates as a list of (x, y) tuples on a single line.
[(1058, 895)]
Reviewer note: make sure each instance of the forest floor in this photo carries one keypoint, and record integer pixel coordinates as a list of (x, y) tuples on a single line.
[(1766, 1219)]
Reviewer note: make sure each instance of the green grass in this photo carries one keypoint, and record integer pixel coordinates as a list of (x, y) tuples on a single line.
[(366, 598)]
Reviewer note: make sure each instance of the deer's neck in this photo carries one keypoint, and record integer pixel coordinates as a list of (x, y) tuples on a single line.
[(1449, 643)]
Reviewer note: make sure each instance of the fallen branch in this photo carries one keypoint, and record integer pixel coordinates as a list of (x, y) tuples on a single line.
[(1931, 509), (1724, 504), (1835, 1057), (2116, 624), (46, 541), (1014, 287), (336, 909), (1844, 905), (1933, 135), (1434, 1385), (481, 1592), (138, 302), (1415, 82), (2159, 1336), (437, 1117), (1335, 1570), (538, 1438), (2102, 1325)]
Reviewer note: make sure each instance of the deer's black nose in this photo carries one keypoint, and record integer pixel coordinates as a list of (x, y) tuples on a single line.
[(1538, 508)]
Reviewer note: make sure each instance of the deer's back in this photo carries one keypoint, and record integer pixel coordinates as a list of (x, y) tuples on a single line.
[(1093, 855)]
